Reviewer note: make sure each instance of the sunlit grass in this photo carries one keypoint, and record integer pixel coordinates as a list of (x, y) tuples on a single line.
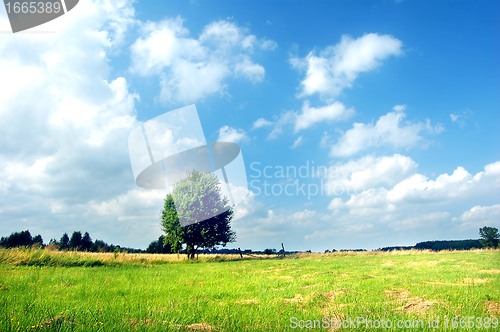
[(97, 292)]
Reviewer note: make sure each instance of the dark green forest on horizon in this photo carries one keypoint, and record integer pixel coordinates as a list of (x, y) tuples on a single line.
[(79, 242)]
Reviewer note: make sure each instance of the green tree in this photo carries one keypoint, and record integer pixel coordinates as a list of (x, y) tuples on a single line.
[(195, 196), (152, 247), (159, 246), (489, 237), (37, 241), (86, 242), (18, 239), (99, 246), (76, 241), (64, 242), (171, 225)]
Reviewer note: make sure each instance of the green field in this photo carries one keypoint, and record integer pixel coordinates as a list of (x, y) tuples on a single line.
[(40, 290)]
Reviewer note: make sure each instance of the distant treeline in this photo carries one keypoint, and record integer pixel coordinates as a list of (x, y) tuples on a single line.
[(75, 242), (84, 242), (342, 250), (159, 247), (20, 239), (441, 245), (396, 248)]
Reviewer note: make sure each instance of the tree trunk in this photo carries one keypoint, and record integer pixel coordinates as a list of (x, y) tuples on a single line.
[(190, 251), (195, 252)]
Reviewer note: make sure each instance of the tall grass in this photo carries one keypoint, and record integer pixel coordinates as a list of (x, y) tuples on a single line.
[(43, 257), (68, 291)]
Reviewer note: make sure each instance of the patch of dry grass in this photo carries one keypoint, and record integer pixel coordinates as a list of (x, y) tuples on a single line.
[(331, 295), (399, 294), (199, 327), (248, 301), (423, 263), (419, 306), (135, 324), (490, 271), (467, 282), (299, 298), (493, 308)]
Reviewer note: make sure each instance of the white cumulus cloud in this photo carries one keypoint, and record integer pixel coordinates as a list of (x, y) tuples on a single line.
[(419, 190), (327, 74), (480, 216), (246, 68), (369, 172), (311, 115), (191, 69), (229, 134), (389, 130), (64, 148), (336, 67), (261, 123)]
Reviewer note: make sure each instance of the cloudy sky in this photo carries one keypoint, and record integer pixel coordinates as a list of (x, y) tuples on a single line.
[(361, 124)]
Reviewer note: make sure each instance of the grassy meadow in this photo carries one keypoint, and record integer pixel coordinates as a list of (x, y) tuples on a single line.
[(53, 291)]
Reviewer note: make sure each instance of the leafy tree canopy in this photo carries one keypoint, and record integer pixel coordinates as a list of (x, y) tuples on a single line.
[(159, 246), (86, 243), (193, 199), (64, 242), (489, 237), (76, 240), (17, 239)]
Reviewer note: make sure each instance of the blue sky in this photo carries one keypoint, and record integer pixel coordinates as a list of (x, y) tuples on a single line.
[(397, 99)]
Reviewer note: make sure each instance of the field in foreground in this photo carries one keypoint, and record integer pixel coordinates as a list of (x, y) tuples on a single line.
[(82, 292)]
